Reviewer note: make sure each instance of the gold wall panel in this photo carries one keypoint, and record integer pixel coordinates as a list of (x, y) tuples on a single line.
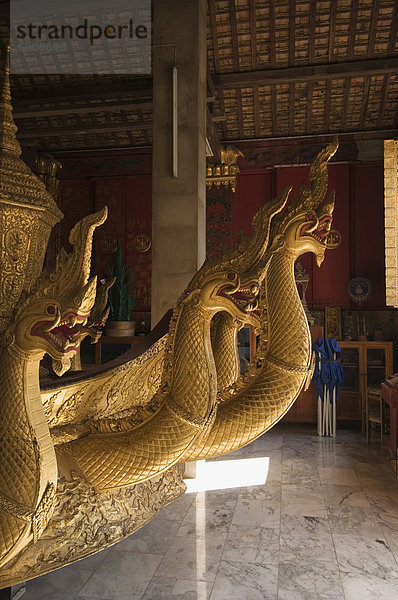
[(391, 220)]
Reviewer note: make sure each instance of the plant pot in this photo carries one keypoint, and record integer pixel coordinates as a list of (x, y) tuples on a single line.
[(120, 328)]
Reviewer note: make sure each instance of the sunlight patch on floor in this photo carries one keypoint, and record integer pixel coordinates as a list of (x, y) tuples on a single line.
[(226, 474)]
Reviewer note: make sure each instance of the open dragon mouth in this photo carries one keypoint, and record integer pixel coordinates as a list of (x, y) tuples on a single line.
[(245, 298), (96, 325), (320, 234), (63, 333)]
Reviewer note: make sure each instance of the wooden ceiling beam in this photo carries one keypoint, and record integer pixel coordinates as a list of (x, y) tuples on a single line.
[(394, 31), (310, 92), (239, 112), (311, 41), (385, 133), (257, 114), (292, 107), (358, 68), (85, 129), (234, 35), (365, 102), (328, 101), (213, 26), (136, 91), (222, 109), (274, 111), (347, 86), (383, 101), (353, 29), (373, 27), (292, 32), (332, 27), (81, 110), (272, 42), (253, 33)]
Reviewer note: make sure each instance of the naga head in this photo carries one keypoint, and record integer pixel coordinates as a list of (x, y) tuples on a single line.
[(56, 315), (306, 223), (231, 282)]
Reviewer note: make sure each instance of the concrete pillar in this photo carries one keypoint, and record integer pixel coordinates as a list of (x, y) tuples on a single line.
[(179, 203)]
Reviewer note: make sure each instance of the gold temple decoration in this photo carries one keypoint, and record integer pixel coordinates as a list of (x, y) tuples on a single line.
[(27, 214), (47, 167), (334, 239), (109, 245), (390, 220), (89, 461), (141, 242), (333, 322), (226, 172)]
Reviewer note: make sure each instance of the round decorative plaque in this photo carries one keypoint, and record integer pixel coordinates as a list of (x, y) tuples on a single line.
[(334, 239), (141, 242), (359, 289), (109, 245)]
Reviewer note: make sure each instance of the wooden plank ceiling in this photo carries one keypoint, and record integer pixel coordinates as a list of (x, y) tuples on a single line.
[(277, 69)]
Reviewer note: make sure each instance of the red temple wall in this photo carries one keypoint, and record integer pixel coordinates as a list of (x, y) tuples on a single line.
[(123, 182), (358, 216)]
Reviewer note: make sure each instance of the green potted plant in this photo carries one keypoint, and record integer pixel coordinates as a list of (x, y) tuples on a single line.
[(121, 299)]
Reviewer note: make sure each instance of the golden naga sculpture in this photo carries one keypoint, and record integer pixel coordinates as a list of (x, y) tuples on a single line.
[(88, 461), (40, 312)]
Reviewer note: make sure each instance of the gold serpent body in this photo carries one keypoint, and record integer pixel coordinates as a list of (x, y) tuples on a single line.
[(225, 350), (259, 405), (117, 460), (28, 464)]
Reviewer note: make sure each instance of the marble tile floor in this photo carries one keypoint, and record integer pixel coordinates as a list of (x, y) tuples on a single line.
[(318, 520)]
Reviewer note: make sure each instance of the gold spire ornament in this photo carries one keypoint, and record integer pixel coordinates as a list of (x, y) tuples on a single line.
[(47, 168), (27, 213)]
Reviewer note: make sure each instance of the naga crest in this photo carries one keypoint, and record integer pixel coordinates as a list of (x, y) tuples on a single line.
[(305, 225), (61, 309)]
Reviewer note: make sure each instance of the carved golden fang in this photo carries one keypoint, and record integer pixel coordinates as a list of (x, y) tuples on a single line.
[(55, 323)]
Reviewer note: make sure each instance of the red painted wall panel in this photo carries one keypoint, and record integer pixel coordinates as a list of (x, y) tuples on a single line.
[(368, 229), (254, 189), (111, 193), (358, 216), (138, 236), (329, 283), (76, 200)]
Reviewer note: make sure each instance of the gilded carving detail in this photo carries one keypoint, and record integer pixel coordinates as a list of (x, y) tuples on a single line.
[(108, 464), (86, 520), (390, 217), (118, 393)]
